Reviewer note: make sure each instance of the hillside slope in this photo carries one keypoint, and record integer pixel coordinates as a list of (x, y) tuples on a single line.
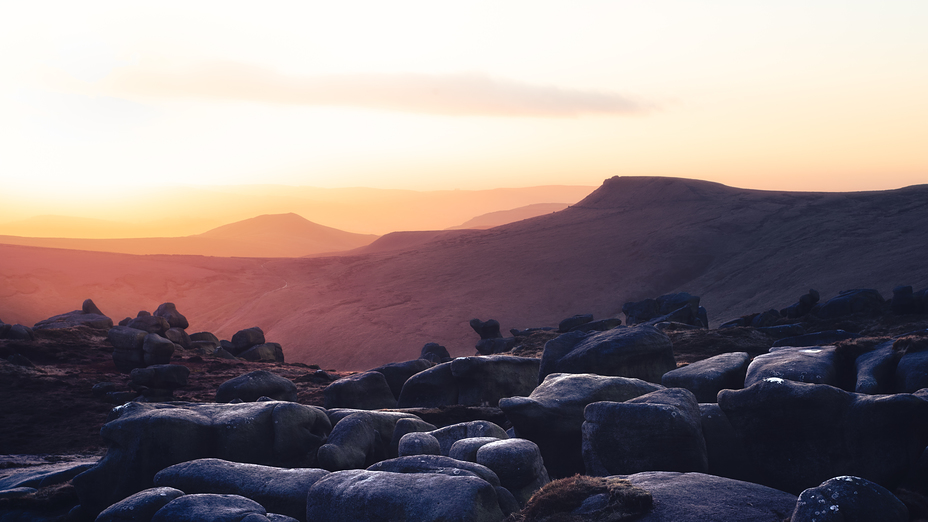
[(503, 217), (634, 237)]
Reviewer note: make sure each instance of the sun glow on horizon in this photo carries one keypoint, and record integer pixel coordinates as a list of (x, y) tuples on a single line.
[(110, 99)]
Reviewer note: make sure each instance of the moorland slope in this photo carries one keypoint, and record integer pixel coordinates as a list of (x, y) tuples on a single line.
[(633, 238)]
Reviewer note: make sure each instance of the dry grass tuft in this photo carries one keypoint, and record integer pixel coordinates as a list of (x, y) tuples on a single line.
[(571, 500)]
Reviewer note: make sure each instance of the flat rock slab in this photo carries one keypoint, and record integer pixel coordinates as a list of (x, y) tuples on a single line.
[(696, 497)]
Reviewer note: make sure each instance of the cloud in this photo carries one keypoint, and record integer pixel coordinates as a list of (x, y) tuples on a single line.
[(453, 94)]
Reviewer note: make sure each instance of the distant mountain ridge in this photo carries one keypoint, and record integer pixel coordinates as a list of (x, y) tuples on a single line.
[(504, 217), (741, 250), (273, 235)]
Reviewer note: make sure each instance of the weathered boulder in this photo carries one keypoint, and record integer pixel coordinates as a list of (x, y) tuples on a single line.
[(824, 338), (178, 336), (803, 306), (245, 339), (140, 507), (170, 314), (466, 449), (876, 370), (849, 498), (798, 434), (707, 377), (254, 385), (486, 329), (435, 353), (127, 347), (159, 381), (156, 350), (359, 438), (658, 431), (765, 319), (377, 496), (430, 388), (572, 322), (814, 364), (362, 391), (695, 497), (89, 307), (418, 443), (145, 438), (267, 352), (486, 380), (448, 435), (642, 352), (851, 302), (279, 490), (398, 373), (204, 336), (437, 464), (518, 464), (404, 426), (552, 415), (212, 507), (149, 323), (18, 332), (495, 345), (91, 319)]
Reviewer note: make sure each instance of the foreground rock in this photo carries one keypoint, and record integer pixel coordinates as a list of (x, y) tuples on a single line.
[(658, 431), (279, 490), (798, 435), (145, 438), (552, 415), (707, 377), (351, 496), (849, 498), (695, 497)]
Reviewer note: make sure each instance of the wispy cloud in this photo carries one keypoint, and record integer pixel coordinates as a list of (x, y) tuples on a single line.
[(452, 94)]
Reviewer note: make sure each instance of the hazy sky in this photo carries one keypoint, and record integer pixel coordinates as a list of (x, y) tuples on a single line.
[(820, 95)]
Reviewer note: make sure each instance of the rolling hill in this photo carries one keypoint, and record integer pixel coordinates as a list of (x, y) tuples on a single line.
[(634, 237), (276, 235), (504, 217)]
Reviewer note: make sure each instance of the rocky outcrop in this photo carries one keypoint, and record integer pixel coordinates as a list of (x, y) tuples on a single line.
[(88, 316), (658, 431), (143, 439), (362, 391), (707, 377), (552, 415), (254, 385), (641, 352), (278, 490), (798, 435), (470, 381), (350, 496)]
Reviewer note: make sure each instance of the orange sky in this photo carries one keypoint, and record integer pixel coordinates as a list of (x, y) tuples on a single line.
[(115, 100)]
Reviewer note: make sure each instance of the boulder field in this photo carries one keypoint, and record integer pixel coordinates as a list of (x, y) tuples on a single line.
[(817, 411)]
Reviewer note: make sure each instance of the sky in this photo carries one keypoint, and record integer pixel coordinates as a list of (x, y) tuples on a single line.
[(108, 97)]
